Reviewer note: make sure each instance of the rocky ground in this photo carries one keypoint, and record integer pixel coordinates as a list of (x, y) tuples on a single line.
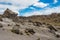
[(16, 28)]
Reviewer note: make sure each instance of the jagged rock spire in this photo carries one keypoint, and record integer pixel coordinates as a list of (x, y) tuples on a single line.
[(10, 14), (7, 9)]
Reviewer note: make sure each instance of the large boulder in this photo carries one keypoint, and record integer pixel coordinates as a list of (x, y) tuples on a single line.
[(10, 14)]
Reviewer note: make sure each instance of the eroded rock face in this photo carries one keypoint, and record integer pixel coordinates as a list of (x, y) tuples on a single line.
[(9, 14)]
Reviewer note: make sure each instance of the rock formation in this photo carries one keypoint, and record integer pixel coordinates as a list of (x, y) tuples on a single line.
[(10, 14), (13, 27)]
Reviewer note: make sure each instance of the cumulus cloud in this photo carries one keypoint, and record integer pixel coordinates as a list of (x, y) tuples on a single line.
[(20, 3), (13, 8), (46, 11), (55, 1), (16, 5), (41, 4)]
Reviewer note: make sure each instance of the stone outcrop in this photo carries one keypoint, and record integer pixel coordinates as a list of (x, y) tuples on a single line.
[(10, 14), (29, 31)]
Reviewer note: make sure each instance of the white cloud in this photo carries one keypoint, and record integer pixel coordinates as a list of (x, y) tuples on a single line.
[(41, 4), (13, 8), (46, 11), (20, 3), (55, 1), (17, 4)]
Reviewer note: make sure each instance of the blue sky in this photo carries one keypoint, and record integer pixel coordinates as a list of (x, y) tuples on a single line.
[(31, 7)]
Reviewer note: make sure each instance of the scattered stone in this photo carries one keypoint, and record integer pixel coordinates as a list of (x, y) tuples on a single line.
[(9, 25), (38, 39), (36, 27), (1, 19), (58, 28), (58, 36), (54, 31), (16, 30), (37, 23), (44, 23), (17, 25), (1, 25), (31, 31), (52, 28), (27, 32), (29, 20)]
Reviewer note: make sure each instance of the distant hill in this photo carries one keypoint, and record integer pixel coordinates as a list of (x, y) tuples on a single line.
[(53, 18)]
